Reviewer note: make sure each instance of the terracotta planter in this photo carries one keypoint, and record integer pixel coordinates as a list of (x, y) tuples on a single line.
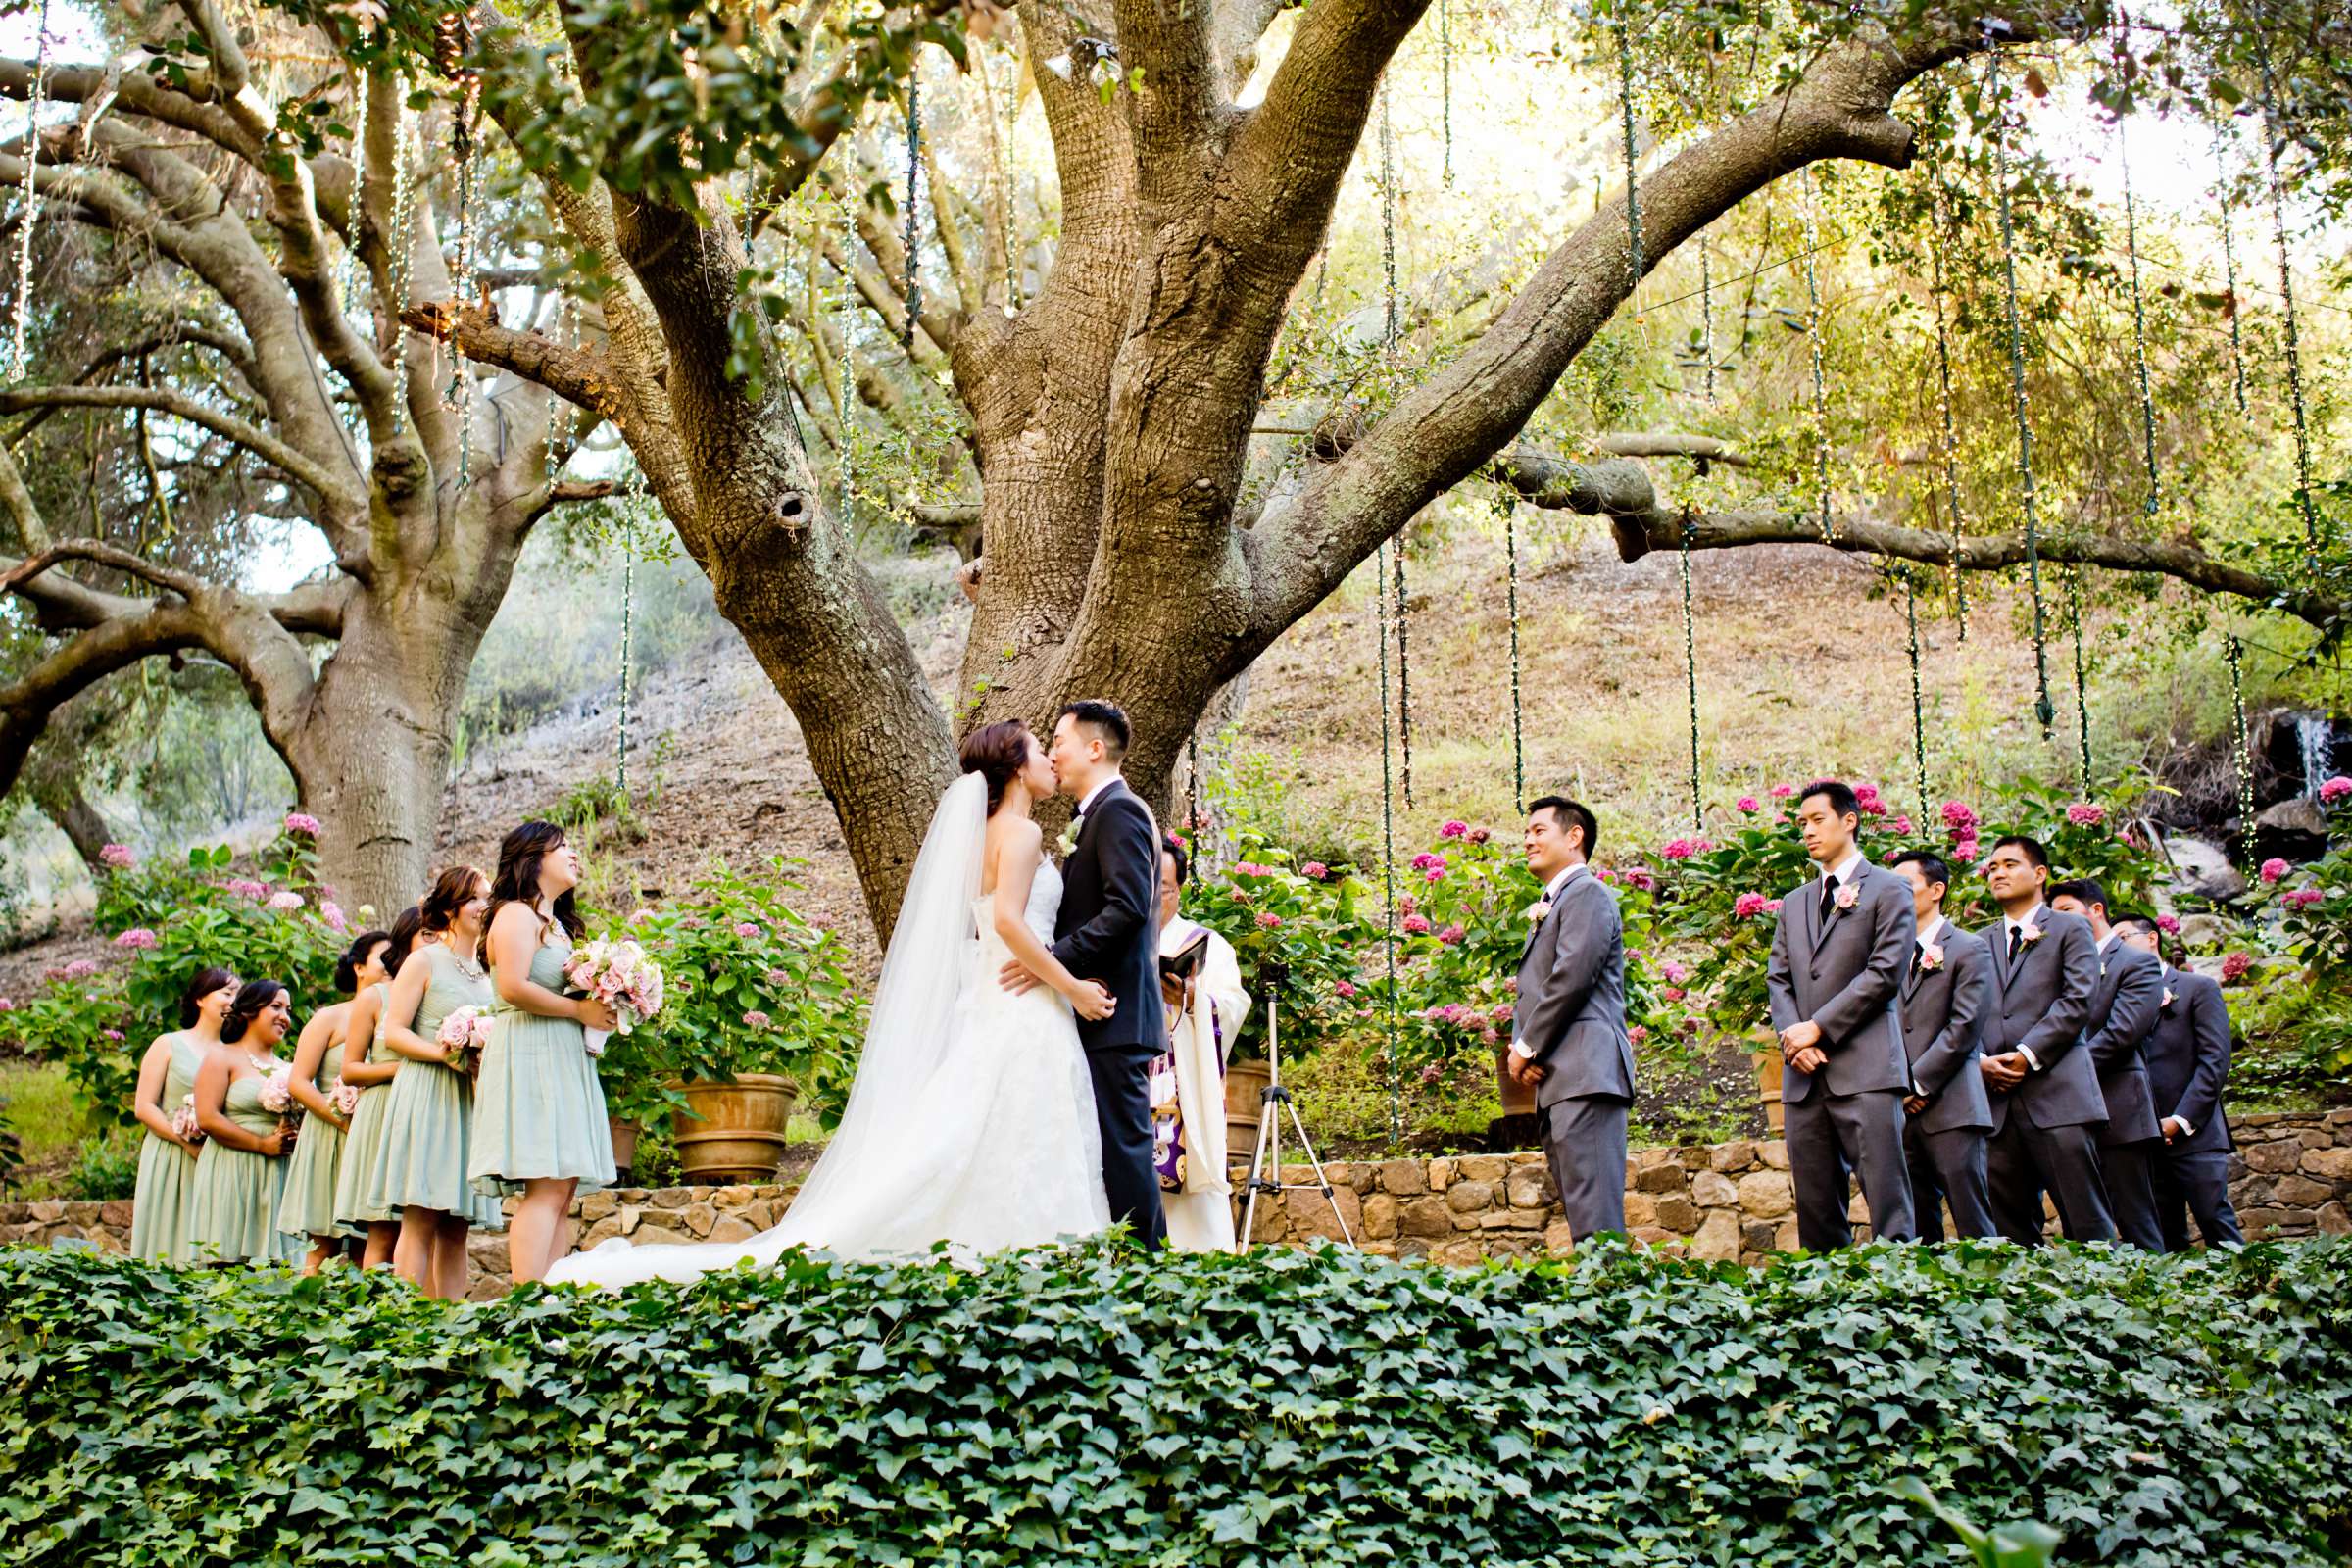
[(733, 1132), (1769, 1067), (1245, 1082), (624, 1141)]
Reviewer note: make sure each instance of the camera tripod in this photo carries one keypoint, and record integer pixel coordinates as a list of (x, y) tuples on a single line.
[(1274, 1103)]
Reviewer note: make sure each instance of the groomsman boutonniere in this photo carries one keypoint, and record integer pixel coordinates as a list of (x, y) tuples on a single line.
[(1538, 911), (1848, 895), (1070, 836), (2166, 1005), (1930, 956), (2029, 934)]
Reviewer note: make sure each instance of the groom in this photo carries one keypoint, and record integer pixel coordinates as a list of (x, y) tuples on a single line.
[(1108, 931)]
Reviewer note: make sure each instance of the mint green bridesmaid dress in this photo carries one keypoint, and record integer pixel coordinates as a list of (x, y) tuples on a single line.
[(309, 1206), (539, 1110), (428, 1118), (232, 1200), (363, 1144), (158, 1208)]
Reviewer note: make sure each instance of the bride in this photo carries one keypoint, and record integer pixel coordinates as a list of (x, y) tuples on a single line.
[(973, 1117)]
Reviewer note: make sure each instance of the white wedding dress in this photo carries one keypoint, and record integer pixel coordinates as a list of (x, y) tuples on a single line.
[(973, 1117)]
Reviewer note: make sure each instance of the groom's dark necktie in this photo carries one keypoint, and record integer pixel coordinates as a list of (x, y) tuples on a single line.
[(2017, 942), (1829, 898)]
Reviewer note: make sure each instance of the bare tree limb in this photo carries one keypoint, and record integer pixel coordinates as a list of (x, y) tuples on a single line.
[(330, 486)]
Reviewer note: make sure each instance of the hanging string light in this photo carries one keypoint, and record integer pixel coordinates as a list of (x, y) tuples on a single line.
[(1633, 191), (1508, 505), (630, 512), (912, 237), (1821, 383), (1706, 315), (1388, 845), (2044, 708), (1691, 669), (2074, 614), (1388, 222), (2287, 294), (21, 316), (2237, 346), (1446, 80), (350, 280), (1919, 709), (1950, 447), (2140, 327), (1404, 678), (2245, 745), (404, 202)]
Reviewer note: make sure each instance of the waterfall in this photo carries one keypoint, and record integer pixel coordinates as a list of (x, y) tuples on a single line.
[(2315, 740)]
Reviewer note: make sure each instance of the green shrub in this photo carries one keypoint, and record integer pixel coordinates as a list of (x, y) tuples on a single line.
[(1278, 1409), (108, 1167)]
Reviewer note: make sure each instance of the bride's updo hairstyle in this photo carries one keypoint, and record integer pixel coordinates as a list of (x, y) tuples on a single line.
[(997, 753)]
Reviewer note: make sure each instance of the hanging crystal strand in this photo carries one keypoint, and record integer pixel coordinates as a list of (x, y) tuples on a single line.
[(2044, 708), (2074, 613), (1945, 416), (1919, 710), (912, 237), (2287, 294), (558, 411), (20, 317), (1388, 840), (1821, 384), (2245, 745), (1508, 505), (399, 243), (635, 504), (2237, 346), (2139, 329)]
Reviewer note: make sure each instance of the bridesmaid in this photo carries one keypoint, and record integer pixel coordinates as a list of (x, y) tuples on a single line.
[(540, 1126), (370, 1066), (232, 1203), (158, 1211), (308, 1208), (428, 1116)]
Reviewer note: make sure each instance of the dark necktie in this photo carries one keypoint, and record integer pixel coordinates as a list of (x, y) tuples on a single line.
[(1829, 898), (2017, 942)]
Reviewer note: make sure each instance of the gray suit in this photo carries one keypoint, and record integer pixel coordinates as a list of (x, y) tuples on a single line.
[(2188, 1053), (1843, 973), (2122, 1009), (1942, 1013), (2043, 1134), (1570, 1015)]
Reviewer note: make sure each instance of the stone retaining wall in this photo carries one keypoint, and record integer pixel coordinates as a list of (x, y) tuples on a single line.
[(2292, 1176)]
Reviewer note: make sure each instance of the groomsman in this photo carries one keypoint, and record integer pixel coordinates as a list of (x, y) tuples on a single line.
[(1568, 1036), (2122, 1009), (1944, 999), (2046, 1106), (2187, 1051), (1840, 952)]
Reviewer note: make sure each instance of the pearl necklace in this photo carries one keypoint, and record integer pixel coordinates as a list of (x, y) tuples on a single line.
[(466, 966)]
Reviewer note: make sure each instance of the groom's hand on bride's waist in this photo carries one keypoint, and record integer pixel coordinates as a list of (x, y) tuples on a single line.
[(1016, 978)]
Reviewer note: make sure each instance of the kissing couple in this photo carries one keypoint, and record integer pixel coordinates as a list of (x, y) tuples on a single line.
[(1002, 1098)]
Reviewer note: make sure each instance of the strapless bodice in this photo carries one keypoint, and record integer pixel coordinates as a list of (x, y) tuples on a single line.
[(1044, 903)]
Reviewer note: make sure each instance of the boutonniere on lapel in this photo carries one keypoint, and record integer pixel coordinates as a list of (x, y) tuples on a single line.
[(1847, 896), (1070, 836), (1538, 911), (1930, 956), (2166, 1005), (2029, 934)]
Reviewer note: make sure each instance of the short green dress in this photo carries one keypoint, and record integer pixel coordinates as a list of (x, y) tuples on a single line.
[(232, 1201), (309, 1207), (363, 1144), (159, 1209), (539, 1110), (428, 1116)]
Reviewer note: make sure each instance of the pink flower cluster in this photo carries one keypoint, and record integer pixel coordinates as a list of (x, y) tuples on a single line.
[(2234, 966), (746, 930), (2334, 789), (332, 913), (2084, 814), (1314, 870), (78, 970), (302, 822), (277, 1088), (1636, 877), (1749, 906), (619, 975), (1674, 973), (1479, 835), (465, 1033), (138, 938), (1268, 921), (1252, 868), (1867, 801), (1901, 826), (1415, 925), (754, 1018), (1452, 936), (1780, 791), (1344, 989), (286, 901), (2301, 898), (1678, 850), (2273, 868), (2168, 924), (1749, 804), (119, 856), (1455, 1012), (246, 888), (1455, 830)]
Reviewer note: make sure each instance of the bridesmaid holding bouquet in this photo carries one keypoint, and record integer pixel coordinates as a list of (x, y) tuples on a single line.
[(165, 1104), (242, 1105), (540, 1126), (327, 1103), (368, 1068), (428, 1120)]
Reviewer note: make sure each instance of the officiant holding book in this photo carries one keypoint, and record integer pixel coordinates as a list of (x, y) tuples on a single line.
[(1201, 985)]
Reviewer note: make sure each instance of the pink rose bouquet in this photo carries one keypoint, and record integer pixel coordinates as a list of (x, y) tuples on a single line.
[(463, 1034), (622, 977)]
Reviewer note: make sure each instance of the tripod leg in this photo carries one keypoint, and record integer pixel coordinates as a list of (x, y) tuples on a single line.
[(1257, 1166), (1322, 1181)]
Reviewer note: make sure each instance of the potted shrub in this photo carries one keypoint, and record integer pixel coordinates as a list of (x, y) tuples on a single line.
[(760, 1005)]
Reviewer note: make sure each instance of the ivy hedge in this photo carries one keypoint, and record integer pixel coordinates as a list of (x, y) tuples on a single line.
[(1283, 1408)]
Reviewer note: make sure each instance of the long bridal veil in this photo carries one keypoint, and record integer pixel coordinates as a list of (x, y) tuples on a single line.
[(926, 977)]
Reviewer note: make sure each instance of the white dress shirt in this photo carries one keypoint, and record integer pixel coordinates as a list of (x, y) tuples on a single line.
[(2010, 925), (1093, 794)]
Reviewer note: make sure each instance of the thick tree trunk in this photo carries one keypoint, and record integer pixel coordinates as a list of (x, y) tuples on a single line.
[(79, 820)]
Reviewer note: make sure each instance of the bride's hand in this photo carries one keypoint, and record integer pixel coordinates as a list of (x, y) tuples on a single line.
[(1092, 1002)]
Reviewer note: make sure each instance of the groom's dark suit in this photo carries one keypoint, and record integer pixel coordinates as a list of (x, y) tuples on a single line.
[(1107, 932)]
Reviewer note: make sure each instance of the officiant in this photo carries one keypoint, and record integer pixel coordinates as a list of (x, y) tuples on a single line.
[(1205, 1004)]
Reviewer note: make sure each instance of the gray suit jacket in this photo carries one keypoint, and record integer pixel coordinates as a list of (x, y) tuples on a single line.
[(1570, 1011), (2122, 1009), (1944, 1012), (2187, 1052), (2040, 1004), (1844, 974)]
